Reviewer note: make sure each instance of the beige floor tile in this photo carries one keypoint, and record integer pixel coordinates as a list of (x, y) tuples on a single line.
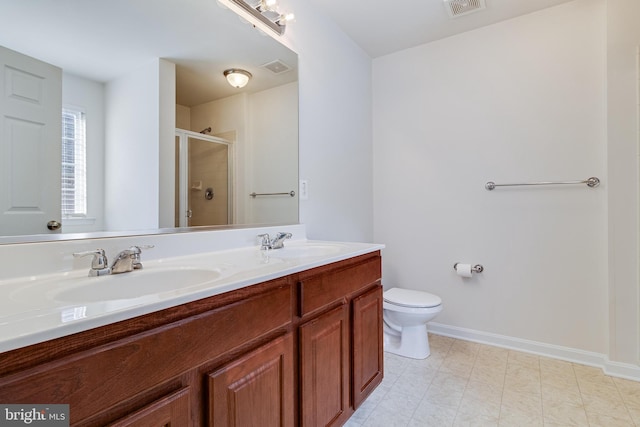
[(483, 391), (523, 372), (474, 420), (415, 385), (495, 353), (430, 414), (559, 381), (515, 419), (421, 370), (461, 369), (394, 364), (556, 366), (561, 393), (439, 342), (400, 402), (557, 372), (449, 382), (522, 402), (439, 397), (590, 377), (522, 384), (548, 423), (629, 390), (634, 411), (465, 347), (523, 359), (382, 417), (471, 406), (492, 360), (612, 406), (470, 384), (364, 411), (489, 375), (599, 420), (521, 411), (564, 413), (602, 390)]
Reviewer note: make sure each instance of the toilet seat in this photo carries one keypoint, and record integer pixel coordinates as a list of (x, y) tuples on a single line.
[(411, 299)]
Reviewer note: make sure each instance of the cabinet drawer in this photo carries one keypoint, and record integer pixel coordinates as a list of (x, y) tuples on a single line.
[(172, 410), (94, 380), (320, 290)]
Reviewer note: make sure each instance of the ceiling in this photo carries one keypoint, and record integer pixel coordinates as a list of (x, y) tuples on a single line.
[(383, 27), (103, 40)]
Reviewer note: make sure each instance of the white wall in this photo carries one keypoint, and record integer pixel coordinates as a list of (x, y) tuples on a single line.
[(89, 95), (519, 101), (132, 154), (623, 40), (273, 148), (335, 126), (166, 137)]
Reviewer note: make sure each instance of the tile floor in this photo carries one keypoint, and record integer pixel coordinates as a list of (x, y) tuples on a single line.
[(469, 384)]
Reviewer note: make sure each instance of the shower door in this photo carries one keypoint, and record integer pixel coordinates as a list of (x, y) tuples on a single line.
[(204, 184)]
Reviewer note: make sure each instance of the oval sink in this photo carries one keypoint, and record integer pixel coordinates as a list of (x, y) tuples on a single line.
[(134, 284), (304, 251)]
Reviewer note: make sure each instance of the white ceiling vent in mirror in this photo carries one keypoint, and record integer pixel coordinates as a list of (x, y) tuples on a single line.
[(276, 67), (457, 8)]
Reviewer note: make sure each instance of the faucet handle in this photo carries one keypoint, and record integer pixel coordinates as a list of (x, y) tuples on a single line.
[(135, 254), (137, 249), (265, 241), (99, 264)]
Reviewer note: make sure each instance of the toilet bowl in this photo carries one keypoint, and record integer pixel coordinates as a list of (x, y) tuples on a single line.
[(406, 313)]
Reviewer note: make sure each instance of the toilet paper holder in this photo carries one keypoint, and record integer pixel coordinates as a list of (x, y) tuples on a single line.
[(476, 268)]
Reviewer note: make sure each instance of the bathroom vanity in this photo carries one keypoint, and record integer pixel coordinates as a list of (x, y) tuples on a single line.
[(300, 343)]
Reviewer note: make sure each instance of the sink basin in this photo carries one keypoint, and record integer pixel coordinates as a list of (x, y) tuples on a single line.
[(134, 284), (305, 251)]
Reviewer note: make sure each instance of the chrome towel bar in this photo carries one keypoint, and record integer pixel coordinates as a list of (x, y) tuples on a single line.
[(591, 182), (290, 193)]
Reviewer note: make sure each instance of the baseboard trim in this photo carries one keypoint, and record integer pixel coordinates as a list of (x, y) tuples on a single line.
[(614, 369)]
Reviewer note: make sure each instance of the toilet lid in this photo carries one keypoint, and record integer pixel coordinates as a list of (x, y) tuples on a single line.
[(409, 298)]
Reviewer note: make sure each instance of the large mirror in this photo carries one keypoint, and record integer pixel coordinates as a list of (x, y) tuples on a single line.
[(168, 142)]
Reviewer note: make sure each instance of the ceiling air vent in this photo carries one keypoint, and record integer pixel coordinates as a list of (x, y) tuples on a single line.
[(457, 8), (276, 67)]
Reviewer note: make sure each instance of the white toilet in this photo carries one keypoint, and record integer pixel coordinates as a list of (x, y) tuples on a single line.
[(406, 313)]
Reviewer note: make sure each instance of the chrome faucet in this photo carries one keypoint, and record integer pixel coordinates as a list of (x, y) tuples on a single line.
[(99, 264), (266, 242), (128, 260)]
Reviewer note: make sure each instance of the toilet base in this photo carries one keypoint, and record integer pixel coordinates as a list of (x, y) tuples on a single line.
[(412, 342)]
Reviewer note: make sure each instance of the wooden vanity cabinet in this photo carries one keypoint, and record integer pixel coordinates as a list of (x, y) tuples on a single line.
[(157, 372), (256, 389), (305, 349), (325, 369), (341, 362)]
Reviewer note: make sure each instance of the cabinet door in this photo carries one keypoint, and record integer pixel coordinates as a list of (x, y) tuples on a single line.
[(324, 369), (255, 390), (170, 411), (367, 344)]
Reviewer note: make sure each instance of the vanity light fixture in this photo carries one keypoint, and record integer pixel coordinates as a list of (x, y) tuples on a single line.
[(237, 78), (267, 12)]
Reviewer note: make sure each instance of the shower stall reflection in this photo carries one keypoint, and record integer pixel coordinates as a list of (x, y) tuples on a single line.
[(204, 187)]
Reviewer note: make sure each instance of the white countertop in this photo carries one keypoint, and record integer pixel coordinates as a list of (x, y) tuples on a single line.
[(39, 308)]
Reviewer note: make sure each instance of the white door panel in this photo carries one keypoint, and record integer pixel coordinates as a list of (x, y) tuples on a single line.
[(30, 148)]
